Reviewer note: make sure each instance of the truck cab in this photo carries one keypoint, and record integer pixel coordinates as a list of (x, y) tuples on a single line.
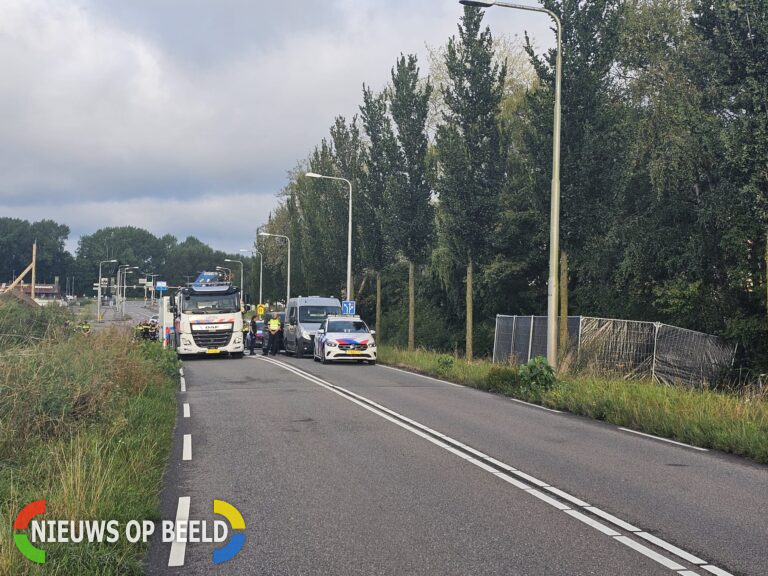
[(208, 320)]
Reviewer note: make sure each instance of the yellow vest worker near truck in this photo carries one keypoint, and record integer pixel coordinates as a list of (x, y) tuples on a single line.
[(274, 332)]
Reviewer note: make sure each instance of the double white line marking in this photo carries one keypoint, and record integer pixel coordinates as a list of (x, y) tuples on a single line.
[(533, 486)]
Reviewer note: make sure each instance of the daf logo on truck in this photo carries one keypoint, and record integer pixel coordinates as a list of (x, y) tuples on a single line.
[(207, 318)]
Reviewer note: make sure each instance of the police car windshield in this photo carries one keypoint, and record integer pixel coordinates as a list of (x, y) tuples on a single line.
[(210, 304), (316, 314), (347, 326)]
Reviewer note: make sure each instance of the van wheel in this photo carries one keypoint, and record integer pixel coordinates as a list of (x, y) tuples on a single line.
[(299, 350)]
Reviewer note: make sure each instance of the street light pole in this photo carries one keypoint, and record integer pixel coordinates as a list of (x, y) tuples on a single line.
[(554, 216), (98, 306), (349, 230), (288, 288)]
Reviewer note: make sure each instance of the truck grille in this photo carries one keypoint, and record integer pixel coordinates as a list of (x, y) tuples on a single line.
[(212, 339)]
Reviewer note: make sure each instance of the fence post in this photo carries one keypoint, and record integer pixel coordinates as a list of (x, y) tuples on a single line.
[(656, 326), (495, 338), (530, 340), (578, 343), (512, 343)]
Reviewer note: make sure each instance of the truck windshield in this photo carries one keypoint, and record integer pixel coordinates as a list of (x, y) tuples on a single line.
[(348, 326), (210, 303), (316, 314)]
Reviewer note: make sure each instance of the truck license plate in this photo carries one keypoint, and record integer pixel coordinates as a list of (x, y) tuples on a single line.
[(214, 351)]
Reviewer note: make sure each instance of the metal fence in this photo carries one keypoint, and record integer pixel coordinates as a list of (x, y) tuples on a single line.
[(624, 348)]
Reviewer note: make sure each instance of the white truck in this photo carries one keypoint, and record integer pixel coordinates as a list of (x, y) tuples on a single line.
[(207, 319)]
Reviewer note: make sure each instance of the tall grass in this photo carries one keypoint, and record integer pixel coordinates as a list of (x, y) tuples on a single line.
[(735, 422), (86, 424)]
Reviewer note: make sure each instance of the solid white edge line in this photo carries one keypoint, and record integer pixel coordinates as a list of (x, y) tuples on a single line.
[(468, 387), (422, 376), (600, 527), (187, 449), (612, 519), (715, 570), (414, 428), (534, 405), (664, 439), (183, 384), (178, 549), (186, 410), (670, 548), (645, 551), (181, 371)]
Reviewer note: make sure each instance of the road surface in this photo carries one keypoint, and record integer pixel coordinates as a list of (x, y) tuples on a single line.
[(356, 469)]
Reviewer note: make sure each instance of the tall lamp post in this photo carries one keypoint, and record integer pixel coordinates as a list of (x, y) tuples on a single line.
[(554, 217), (349, 231), (126, 271), (288, 288), (120, 273), (241, 276), (261, 267), (98, 306)]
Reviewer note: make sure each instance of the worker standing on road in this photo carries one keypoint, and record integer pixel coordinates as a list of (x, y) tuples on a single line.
[(252, 335), (274, 329)]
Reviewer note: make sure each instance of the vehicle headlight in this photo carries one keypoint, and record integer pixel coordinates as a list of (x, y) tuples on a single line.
[(331, 343), (186, 341), (372, 345)]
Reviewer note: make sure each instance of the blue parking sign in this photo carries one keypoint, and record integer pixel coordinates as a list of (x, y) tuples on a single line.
[(348, 307)]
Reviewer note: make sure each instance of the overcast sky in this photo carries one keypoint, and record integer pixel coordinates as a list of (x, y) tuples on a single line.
[(178, 115)]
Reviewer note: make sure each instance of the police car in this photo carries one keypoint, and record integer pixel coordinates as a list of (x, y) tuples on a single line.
[(344, 338)]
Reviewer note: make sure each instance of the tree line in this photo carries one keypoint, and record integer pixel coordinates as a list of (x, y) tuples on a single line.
[(176, 262), (663, 180)]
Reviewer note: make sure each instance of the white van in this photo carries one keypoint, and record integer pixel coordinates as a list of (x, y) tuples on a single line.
[(303, 317)]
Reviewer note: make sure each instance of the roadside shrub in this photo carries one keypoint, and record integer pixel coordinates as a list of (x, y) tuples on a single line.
[(444, 364), (504, 379), (536, 378)]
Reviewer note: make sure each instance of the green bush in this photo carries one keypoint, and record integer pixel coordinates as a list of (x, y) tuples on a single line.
[(504, 379), (536, 378), (444, 364)]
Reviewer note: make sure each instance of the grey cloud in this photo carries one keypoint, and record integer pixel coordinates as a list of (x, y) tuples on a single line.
[(113, 103)]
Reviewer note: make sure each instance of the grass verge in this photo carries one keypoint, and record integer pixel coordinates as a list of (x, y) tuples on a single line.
[(729, 422), (86, 423)]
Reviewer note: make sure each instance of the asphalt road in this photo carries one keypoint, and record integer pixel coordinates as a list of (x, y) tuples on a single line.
[(356, 469)]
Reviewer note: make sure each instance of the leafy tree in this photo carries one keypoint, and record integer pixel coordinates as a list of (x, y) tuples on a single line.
[(410, 200), (471, 150), (383, 162), (16, 239)]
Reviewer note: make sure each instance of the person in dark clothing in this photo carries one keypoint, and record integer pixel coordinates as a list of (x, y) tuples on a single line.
[(252, 335), (274, 331)]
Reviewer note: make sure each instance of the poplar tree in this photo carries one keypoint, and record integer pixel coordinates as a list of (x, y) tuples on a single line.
[(411, 208), (383, 161), (471, 150)]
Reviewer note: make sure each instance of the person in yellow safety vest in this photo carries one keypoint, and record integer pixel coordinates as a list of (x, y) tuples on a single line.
[(274, 330)]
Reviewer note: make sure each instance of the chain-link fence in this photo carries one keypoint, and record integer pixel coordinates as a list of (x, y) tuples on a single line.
[(623, 348)]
